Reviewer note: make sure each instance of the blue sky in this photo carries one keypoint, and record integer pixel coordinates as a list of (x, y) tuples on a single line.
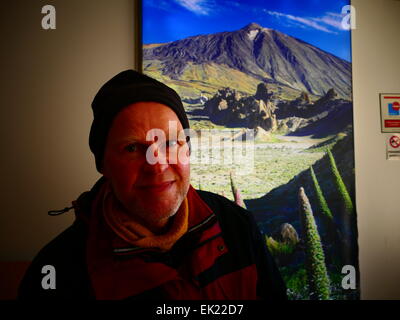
[(317, 22)]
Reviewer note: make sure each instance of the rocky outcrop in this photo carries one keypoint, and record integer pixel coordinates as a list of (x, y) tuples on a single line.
[(305, 98), (291, 124), (302, 112), (302, 100), (220, 100), (198, 100), (256, 134), (228, 107), (301, 107), (288, 234), (260, 113), (329, 96), (328, 115), (262, 92)]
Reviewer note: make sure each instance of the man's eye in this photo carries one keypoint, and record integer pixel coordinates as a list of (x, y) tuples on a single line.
[(131, 147)]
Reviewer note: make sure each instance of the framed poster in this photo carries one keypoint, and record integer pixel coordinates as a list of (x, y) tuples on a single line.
[(267, 86)]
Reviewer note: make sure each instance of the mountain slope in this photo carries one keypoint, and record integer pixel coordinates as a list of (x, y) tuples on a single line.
[(261, 53)]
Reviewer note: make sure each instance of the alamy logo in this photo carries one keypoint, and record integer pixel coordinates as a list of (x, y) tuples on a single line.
[(49, 280), (49, 20), (349, 20), (349, 280), (208, 146)]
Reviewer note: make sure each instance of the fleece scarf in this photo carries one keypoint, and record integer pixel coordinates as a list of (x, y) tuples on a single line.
[(132, 232)]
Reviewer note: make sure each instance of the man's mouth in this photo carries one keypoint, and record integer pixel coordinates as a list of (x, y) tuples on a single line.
[(157, 187)]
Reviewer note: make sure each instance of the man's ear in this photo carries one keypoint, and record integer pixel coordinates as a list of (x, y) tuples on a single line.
[(103, 170)]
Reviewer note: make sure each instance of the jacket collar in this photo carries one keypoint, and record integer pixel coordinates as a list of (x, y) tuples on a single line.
[(200, 214)]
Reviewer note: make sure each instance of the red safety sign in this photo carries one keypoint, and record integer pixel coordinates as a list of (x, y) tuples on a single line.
[(394, 142), (390, 113)]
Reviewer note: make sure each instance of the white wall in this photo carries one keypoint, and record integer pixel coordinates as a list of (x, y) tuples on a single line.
[(376, 69), (49, 79)]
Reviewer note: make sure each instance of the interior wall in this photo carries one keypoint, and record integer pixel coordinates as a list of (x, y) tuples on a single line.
[(376, 69), (49, 78)]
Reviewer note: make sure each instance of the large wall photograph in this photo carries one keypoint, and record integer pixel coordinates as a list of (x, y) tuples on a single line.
[(267, 86)]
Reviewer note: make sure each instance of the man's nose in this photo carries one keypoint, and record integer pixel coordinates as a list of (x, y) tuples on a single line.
[(156, 168), (156, 159)]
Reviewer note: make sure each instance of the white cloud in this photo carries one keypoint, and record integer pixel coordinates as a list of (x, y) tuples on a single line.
[(199, 7), (334, 14), (326, 23), (331, 19)]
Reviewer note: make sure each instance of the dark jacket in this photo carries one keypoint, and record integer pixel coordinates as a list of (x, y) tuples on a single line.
[(223, 257)]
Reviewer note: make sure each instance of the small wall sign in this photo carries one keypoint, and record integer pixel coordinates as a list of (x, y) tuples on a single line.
[(393, 146), (390, 112)]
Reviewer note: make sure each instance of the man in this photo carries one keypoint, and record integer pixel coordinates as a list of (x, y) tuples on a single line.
[(143, 232)]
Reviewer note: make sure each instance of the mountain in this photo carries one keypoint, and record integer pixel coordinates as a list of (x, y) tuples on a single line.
[(241, 59)]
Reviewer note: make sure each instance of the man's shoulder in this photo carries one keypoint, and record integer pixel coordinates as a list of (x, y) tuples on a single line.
[(65, 244), (220, 201), (245, 239), (64, 255), (225, 208), (231, 217)]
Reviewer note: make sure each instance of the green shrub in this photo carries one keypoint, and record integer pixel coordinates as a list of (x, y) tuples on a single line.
[(318, 280), (323, 205), (340, 185), (296, 283), (278, 248)]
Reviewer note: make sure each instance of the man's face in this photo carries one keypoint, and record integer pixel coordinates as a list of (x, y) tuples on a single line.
[(151, 192)]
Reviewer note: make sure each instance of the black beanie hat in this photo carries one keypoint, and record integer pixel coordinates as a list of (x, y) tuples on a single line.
[(122, 90)]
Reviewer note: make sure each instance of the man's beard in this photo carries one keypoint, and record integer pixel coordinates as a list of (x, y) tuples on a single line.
[(148, 217)]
